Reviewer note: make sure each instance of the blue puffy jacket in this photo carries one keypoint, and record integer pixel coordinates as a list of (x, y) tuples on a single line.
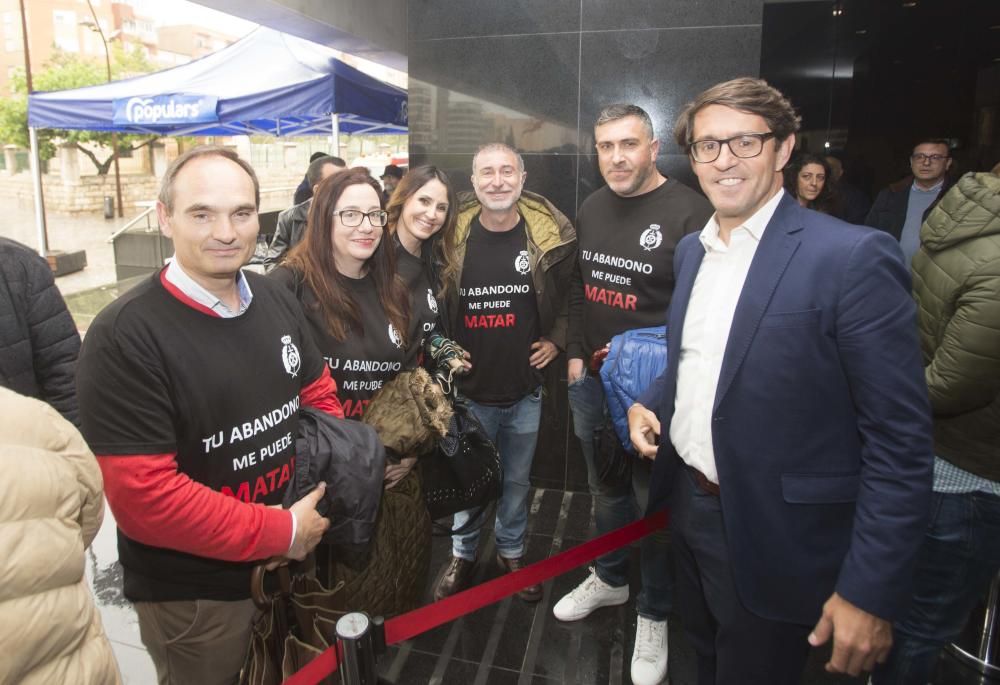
[(635, 359)]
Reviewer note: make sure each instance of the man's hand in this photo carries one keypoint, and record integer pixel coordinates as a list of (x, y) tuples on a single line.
[(543, 351), (643, 429), (310, 525), (574, 369), (860, 639)]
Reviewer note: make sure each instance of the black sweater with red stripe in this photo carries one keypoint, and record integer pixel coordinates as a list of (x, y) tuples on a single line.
[(194, 418)]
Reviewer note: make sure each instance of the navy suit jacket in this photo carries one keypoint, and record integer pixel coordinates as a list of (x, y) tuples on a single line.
[(821, 425)]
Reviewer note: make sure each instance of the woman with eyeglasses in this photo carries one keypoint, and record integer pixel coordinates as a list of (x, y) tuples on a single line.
[(344, 275)]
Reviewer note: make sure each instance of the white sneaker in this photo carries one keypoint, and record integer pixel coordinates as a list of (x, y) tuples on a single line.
[(649, 658), (593, 593)]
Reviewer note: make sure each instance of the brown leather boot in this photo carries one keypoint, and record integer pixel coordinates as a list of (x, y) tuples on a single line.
[(532, 593), (454, 577)]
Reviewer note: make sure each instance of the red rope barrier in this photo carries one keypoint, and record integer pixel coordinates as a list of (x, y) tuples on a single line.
[(426, 618)]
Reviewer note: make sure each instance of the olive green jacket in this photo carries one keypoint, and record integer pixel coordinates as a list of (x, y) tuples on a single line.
[(551, 255), (956, 282)]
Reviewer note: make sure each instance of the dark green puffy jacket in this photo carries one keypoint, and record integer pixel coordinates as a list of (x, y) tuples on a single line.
[(956, 282)]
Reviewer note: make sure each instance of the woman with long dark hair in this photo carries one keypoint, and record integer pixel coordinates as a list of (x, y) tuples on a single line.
[(423, 213), (344, 275), (809, 180)]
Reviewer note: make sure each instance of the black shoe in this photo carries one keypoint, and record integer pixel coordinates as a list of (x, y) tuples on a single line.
[(532, 593), (454, 577)]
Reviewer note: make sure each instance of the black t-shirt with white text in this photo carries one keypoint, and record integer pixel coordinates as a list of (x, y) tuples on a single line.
[(498, 316), (626, 254), (161, 377), (423, 303), (364, 359)]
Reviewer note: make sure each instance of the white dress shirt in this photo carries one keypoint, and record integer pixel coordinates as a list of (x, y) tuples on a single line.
[(711, 307), (190, 287)]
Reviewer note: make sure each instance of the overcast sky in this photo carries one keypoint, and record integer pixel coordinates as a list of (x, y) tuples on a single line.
[(168, 12)]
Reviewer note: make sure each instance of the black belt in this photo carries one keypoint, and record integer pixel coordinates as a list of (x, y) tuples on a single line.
[(702, 481)]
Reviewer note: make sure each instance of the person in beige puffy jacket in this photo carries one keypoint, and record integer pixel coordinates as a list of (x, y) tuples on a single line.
[(51, 507)]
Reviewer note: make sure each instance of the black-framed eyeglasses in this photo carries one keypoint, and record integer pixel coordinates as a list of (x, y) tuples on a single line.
[(920, 157), (744, 146), (352, 218)]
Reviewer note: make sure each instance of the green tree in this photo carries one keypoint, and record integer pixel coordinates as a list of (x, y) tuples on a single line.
[(62, 72)]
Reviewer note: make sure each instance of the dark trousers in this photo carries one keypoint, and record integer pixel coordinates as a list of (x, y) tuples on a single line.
[(959, 557), (734, 646)]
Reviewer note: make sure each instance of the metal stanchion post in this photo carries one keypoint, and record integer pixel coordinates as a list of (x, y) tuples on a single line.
[(991, 626), (360, 637), (985, 661)]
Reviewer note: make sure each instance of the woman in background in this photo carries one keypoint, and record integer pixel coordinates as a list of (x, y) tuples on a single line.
[(808, 179)]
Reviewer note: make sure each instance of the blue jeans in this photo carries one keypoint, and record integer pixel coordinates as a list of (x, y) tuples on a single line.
[(959, 557), (618, 508), (514, 430)]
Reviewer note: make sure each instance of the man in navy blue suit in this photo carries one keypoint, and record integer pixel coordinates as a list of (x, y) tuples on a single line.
[(798, 464)]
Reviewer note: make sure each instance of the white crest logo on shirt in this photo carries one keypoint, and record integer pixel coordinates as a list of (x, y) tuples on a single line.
[(431, 302), (651, 238), (521, 263), (394, 336), (290, 356)]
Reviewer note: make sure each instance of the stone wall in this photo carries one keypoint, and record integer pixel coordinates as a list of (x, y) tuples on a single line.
[(86, 195)]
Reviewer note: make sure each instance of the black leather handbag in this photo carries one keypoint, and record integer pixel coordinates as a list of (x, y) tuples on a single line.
[(463, 470)]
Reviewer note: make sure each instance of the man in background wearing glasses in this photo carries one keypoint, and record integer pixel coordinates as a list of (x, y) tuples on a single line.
[(795, 450), (901, 208)]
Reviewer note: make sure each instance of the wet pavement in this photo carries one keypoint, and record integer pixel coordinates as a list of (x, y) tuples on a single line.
[(104, 574)]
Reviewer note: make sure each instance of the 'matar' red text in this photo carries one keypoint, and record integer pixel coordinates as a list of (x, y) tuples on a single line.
[(612, 298), (264, 485), (489, 320)]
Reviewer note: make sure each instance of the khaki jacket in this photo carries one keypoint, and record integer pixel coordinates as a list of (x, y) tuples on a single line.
[(51, 507), (956, 282), (551, 255)]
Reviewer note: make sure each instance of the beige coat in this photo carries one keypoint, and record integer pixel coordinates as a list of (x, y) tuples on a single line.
[(51, 506)]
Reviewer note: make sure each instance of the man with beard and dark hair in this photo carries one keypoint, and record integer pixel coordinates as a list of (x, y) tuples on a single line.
[(623, 280)]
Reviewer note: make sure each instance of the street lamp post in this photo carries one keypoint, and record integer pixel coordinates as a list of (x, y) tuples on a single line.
[(96, 26), (36, 172)]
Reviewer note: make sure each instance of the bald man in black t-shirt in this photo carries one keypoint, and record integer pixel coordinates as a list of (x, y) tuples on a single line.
[(509, 312)]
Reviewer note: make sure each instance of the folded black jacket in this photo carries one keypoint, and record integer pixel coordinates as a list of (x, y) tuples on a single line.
[(350, 459)]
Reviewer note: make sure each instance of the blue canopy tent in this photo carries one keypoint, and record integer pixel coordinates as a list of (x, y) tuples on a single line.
[(267, 83)]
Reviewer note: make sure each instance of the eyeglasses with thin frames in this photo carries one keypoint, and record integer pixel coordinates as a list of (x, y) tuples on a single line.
[(352, 218), (744, 146), (920, 158)]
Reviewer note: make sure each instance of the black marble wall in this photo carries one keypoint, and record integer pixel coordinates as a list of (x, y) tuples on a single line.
[(534, 74)]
